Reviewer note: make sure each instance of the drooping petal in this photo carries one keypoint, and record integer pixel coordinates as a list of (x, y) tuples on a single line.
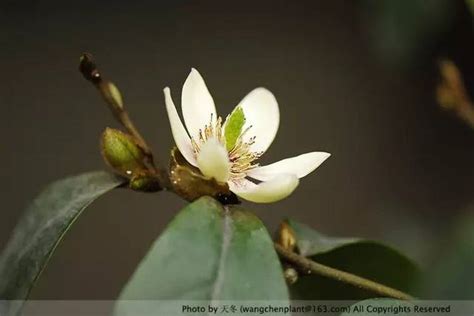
[(197, 104), (213, 161), (181, 138), (273, 190), (300, 166), (262, 114)]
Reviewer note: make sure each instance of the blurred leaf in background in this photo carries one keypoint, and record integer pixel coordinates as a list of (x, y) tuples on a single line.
[(451, 276), (470, 4), (403, 33)]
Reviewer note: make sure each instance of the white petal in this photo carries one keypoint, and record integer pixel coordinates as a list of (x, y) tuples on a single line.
[(300, 166), (180, 135), (274, 190), (197, 104), (261, 112), (213, 161)]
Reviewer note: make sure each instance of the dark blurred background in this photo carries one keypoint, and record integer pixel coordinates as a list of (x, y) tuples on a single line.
[(354, 78)]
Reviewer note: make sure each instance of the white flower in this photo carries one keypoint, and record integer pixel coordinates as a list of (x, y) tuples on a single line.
[(228, 151)]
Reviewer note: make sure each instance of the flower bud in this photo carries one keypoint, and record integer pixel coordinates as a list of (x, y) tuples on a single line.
[(291, 275), (108, 90), (286, 236), (111, 94), (122, 153)]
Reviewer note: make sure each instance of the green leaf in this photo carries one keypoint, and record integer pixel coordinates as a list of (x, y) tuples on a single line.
[(207, 253), (311, 242), (233, 127), (451, 277), (364, 258), (42, 227)]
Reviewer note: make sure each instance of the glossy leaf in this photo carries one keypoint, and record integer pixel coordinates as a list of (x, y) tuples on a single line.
[(208, 253), (364, 258), (42, 227), (311, 242)]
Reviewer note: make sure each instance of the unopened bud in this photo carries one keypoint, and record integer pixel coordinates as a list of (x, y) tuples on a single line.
[(111, 94), (286, 236), (122, 153), (291, 275)]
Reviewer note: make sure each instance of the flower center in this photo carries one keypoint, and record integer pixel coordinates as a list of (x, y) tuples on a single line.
[(242, 159)]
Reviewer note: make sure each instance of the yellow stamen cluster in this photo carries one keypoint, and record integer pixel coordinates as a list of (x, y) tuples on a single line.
[(211, 130), (241, 158)]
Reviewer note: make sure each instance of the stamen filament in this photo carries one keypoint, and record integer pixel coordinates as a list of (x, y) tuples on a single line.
[(241, 157)]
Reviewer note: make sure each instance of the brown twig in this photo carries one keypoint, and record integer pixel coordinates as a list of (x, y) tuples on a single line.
[(113, 99), (306, 265)]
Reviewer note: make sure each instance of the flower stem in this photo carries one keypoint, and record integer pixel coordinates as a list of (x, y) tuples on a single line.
[(307, 265), (112, 97)]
